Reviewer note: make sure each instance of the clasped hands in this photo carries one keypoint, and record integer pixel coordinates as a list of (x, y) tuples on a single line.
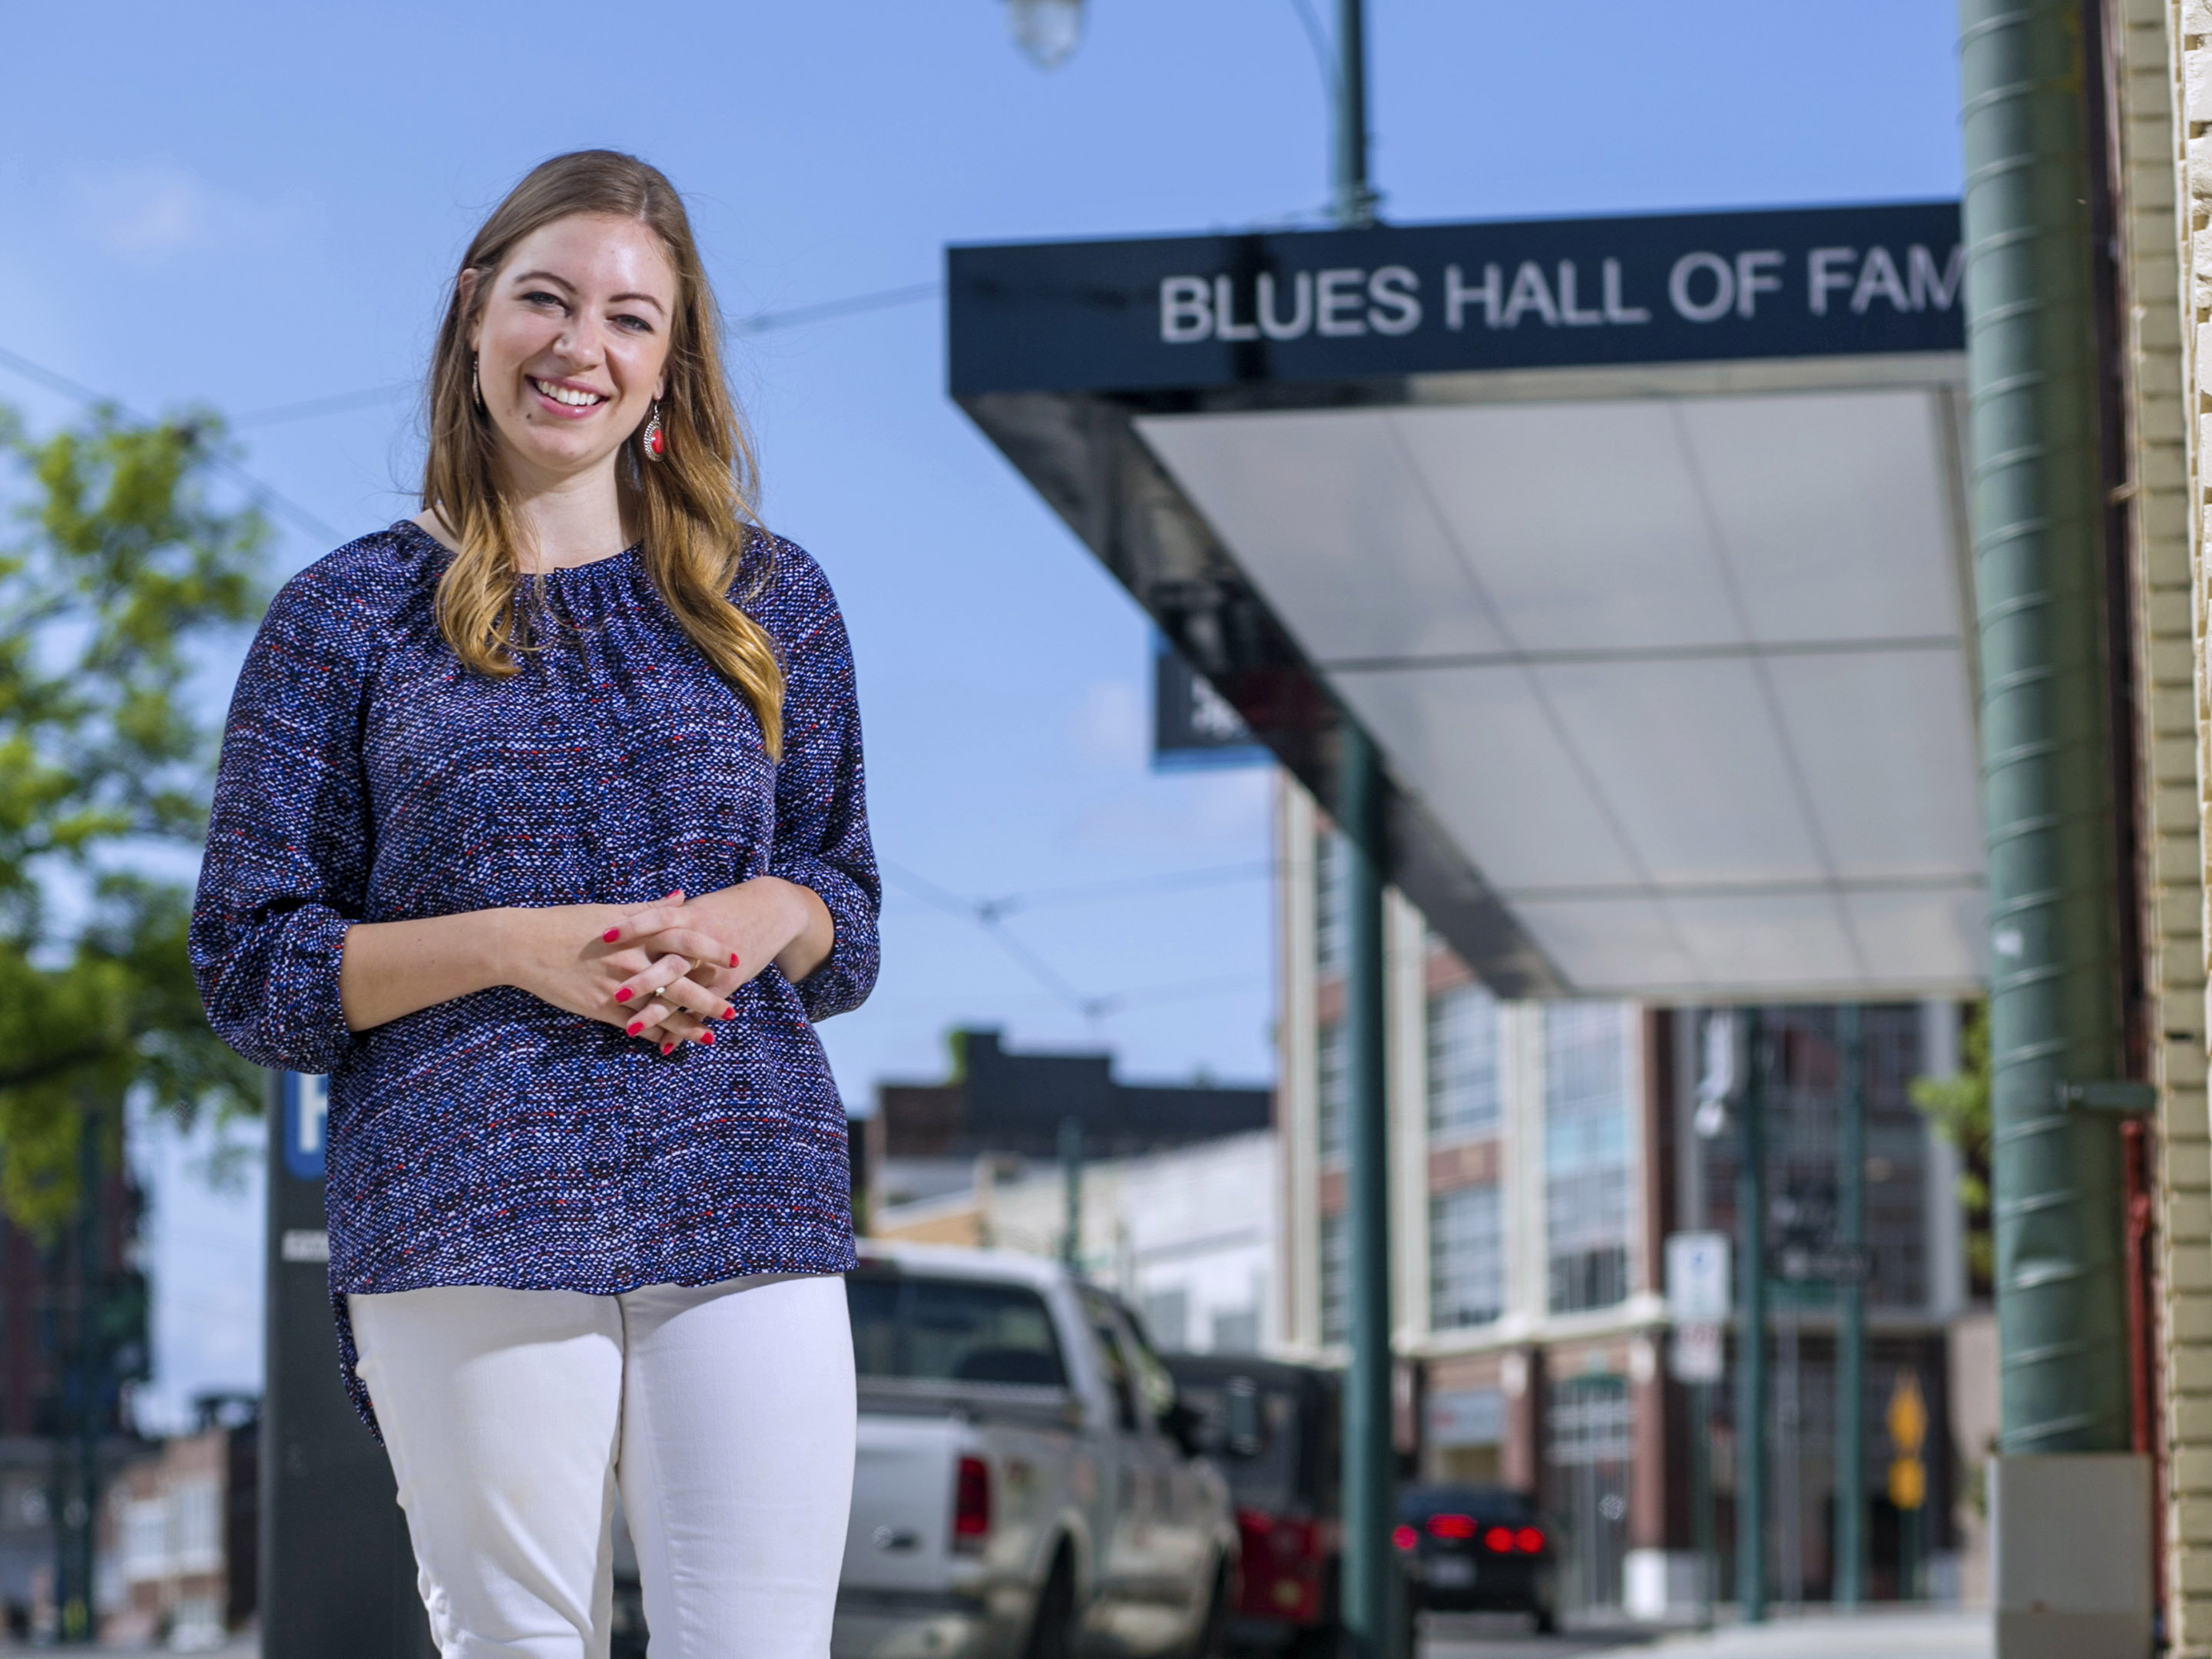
[(664, 973)]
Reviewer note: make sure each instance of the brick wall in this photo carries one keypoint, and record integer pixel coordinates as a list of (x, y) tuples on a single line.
[(2162, 120)]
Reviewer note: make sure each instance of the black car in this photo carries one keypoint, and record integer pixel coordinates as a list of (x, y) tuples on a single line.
[(1477, 1549), (1271, 1430)]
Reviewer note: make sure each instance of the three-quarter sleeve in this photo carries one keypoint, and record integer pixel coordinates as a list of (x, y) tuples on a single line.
[(821, 796), (288, 841)]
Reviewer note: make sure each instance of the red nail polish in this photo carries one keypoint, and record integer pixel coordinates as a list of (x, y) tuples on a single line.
[(667, 1048), (728, 1012), (707, 1038), (611, 934), (623, 996), (733, 958), (635, 1027)]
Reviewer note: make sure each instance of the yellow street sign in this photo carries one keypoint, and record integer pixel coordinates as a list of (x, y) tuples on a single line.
[(1908, 1417), (1908, 1483)]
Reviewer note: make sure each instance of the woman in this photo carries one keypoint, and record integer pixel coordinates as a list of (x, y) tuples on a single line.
[(539, 827)]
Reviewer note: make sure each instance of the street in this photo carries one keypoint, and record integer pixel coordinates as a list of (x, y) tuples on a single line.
[(1916, 1634)]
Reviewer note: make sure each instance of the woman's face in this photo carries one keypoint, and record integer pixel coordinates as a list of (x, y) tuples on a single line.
[(570, 341)]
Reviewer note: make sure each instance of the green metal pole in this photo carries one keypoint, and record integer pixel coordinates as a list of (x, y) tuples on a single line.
[(1850, 1315), (1372, 1622), (1701, 1498), (1751, 1333), (1355, 200), (2035, 502)]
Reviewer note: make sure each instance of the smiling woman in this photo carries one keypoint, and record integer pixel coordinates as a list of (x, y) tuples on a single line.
[(524, 802)]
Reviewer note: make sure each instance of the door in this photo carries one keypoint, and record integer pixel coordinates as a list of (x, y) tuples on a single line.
[(1587, 1452), (1147, 1599)]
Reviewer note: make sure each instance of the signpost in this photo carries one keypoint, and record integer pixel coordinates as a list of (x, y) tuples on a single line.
[(1698, 1299), (337, 1573)]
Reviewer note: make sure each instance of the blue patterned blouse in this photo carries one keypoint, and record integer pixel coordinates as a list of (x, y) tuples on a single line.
[(494, 1139)]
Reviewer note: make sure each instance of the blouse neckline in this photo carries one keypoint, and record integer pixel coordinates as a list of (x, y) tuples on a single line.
[(611, 562)]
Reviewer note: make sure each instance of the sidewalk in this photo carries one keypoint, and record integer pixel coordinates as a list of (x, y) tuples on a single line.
[(1912, 1634)]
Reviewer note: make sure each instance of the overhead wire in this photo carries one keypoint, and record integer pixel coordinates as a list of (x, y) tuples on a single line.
[(265, 493), (990, 914), (759, 322)]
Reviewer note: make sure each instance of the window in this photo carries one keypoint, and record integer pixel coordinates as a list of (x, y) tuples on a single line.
[(1328, 900), (1462, 1046), (1335, 1280), (1467, 1258), (1329, 1089), (950, 1330), (1586, 1155)]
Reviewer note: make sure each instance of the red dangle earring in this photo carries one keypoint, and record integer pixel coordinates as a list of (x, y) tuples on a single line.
[(654, 443)]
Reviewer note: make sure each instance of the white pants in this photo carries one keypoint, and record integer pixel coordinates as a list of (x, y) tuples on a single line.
[(724, 1412)]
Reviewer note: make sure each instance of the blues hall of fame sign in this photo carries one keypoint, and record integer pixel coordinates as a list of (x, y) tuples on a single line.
[(1202, 312)]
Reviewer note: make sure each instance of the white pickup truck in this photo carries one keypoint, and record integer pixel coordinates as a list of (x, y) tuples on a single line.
[(1027, 1485)]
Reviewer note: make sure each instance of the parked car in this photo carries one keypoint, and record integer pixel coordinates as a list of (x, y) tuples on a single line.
[(1273, 1430), (1478, 1549)]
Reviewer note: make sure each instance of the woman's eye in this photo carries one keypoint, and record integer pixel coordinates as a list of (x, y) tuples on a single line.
[(636, 325), (540, 297)]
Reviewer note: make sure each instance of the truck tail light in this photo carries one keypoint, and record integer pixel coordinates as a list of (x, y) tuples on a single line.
[(1531, 1541), (1452, 1526), (1283, 1558), (971, 1504)]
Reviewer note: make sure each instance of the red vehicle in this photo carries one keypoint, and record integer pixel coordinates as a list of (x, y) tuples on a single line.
[(1271, 1430)]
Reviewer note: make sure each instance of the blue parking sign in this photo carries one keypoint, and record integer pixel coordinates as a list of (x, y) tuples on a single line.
[(305, 1114)]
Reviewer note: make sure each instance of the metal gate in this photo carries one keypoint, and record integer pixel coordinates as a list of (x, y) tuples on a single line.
[(1587, 1447)]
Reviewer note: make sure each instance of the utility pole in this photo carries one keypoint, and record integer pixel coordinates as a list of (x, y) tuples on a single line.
[(1751, 1331), (1071, 1181), (1850, 1313), (1373, 1608), (1355, 203), (1373, 1619)]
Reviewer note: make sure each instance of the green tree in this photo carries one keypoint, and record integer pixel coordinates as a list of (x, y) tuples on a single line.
[(116, 567), (1959, 1106)]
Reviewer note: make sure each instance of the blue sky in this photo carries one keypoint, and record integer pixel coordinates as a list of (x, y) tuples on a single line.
[(255, 205)]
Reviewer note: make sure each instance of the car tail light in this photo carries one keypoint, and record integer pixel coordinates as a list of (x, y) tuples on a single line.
[(1499, 1541), (971, 1504), (1452, 1526), (1405, 1537), (1530, 1539)]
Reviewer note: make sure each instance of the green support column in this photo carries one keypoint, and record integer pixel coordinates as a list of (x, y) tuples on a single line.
[(1751, 1331), (2036, 505), (1373, 1624), (1850, 1314)]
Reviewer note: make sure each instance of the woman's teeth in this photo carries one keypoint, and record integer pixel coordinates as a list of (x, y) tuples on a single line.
[(560, 394)]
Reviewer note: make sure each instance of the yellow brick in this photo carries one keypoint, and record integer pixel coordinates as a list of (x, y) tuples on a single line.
[(2188, 1321)]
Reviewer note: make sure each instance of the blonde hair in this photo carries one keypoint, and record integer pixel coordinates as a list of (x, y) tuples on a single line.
[(695, 499)]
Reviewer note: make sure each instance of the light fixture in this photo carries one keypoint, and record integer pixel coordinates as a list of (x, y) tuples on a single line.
[(1047, 31)]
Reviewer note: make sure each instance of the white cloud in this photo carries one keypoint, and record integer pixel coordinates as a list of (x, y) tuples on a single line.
[(146, 211)]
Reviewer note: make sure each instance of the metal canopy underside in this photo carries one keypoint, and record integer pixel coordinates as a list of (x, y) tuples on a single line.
[(1668, 662)]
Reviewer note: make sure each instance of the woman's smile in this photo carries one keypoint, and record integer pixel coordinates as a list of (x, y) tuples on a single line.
[(565, 398)]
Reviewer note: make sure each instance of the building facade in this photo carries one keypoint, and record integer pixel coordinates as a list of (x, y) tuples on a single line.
[(1541, 1152)]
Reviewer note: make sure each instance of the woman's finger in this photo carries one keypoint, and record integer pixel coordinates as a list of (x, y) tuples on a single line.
[(688, 995), (648, 919), (683, 941), (664, 972)]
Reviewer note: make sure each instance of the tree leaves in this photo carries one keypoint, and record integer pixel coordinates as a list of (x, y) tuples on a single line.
[(117, 568)]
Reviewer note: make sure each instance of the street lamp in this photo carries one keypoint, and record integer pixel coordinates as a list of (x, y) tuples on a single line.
[(1047, 31)]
